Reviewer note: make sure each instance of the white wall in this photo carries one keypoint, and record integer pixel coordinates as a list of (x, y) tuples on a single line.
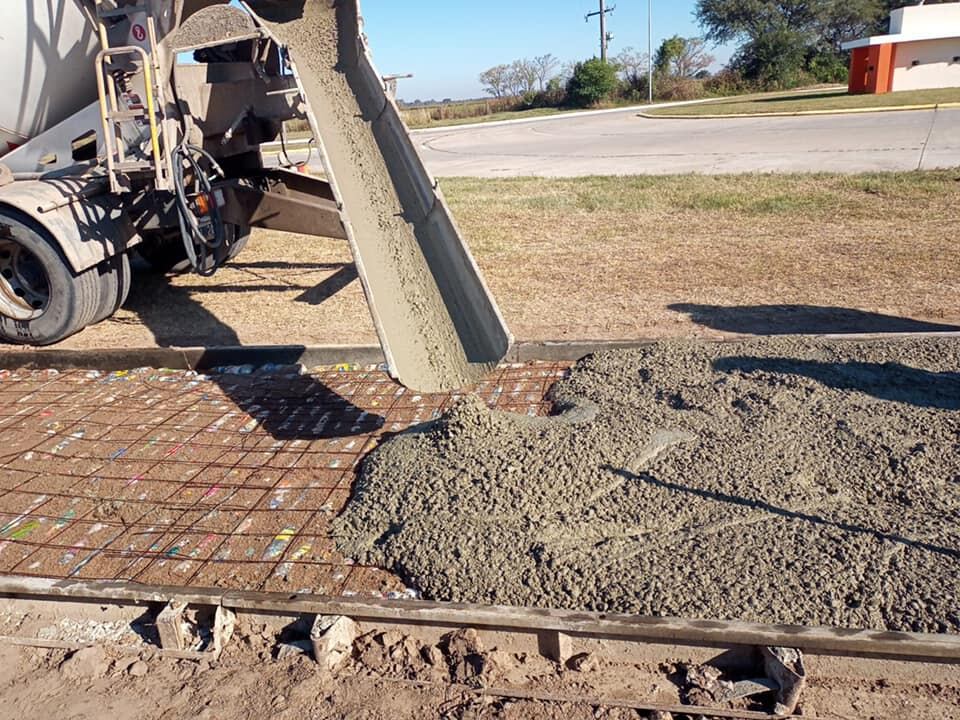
[(925, 19), (936, 69)]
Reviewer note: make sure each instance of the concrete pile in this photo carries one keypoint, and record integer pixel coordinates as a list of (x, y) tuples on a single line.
[(788, 480)]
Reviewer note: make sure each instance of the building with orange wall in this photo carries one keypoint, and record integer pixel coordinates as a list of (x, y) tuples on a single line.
[(922, 51)]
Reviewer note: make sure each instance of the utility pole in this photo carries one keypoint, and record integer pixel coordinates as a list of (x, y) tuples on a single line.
[(605, 37), (650, 52)]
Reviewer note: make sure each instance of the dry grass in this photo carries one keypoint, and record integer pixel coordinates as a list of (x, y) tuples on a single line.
[(608, 257), (613, 258), (830, 99)]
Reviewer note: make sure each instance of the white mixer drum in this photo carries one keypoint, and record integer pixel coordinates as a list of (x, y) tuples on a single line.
[(47, 52)]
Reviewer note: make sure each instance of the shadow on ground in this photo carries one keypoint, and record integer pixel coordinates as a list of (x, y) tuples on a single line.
[(287, 406), (886, 381), (801, 320), (176, 319), (800, 96)]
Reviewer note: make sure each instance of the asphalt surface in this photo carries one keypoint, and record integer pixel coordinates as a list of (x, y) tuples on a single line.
[(621, 142)]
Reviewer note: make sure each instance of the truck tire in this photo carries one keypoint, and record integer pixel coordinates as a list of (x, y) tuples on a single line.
[(42, 301), (115, 281)]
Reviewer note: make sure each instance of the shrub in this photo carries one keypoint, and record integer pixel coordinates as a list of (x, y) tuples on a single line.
[(592, 82), (728, 82), (828, 67), (553, 96), (674, 89)]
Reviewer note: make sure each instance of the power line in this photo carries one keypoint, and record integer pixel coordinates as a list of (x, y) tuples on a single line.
[(605, 37)]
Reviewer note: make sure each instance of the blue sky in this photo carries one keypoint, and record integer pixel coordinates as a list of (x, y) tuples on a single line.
[(447, 44)]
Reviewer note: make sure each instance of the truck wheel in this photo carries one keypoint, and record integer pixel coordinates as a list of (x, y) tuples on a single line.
[(115, 281), (42, 301)]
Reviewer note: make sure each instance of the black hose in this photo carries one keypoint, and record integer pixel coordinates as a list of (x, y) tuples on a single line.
[(198, 247), (286, 155)]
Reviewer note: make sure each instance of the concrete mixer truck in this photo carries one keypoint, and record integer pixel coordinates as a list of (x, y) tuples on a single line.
[(139, 124)]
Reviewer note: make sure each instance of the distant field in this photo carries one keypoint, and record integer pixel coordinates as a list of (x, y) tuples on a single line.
[(820, 100), (457, 112)]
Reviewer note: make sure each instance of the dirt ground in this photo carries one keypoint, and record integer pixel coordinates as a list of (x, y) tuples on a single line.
[(611, 258), (395, 677)]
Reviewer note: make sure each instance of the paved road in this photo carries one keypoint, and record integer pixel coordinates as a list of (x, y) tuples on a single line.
[(623, 143)]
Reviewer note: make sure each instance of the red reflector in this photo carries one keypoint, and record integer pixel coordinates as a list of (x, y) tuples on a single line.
[(203, 204)]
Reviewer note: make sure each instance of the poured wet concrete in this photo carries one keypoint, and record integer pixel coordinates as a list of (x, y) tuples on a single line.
[(787, 480)]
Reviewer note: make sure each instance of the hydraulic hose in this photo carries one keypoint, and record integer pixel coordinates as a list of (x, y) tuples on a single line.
[(199, 248)]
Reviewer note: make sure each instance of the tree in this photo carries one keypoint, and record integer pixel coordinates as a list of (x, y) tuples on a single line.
[(592, 81), (566, 72), (523, 77), (780, 38), (545, 67), (496, 80), (632, 65), (775, 59), (682, 57)]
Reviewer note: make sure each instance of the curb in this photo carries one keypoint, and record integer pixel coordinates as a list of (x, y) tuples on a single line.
[(300, 144), (351, 355), (569, 115), (807, 113), (315, 356), (191, 358)]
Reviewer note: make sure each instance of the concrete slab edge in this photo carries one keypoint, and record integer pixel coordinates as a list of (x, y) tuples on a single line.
[(806, 113), (332, 355)]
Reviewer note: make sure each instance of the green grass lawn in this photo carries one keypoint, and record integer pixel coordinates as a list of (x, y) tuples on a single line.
[(823, 100)]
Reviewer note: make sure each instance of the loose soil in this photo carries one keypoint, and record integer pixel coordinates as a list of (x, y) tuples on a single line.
[(782, 481), (390, 676), (428, 348)]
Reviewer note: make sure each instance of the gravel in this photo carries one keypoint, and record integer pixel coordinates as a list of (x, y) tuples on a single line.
[(785, 480)]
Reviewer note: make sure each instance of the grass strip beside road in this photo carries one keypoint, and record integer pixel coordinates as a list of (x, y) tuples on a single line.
[(823, 101)]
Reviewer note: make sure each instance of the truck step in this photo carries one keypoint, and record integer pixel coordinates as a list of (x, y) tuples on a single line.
[(132, 166)]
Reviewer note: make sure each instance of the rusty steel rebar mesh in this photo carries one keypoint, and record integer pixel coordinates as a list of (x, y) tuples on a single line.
[(228, 480)]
